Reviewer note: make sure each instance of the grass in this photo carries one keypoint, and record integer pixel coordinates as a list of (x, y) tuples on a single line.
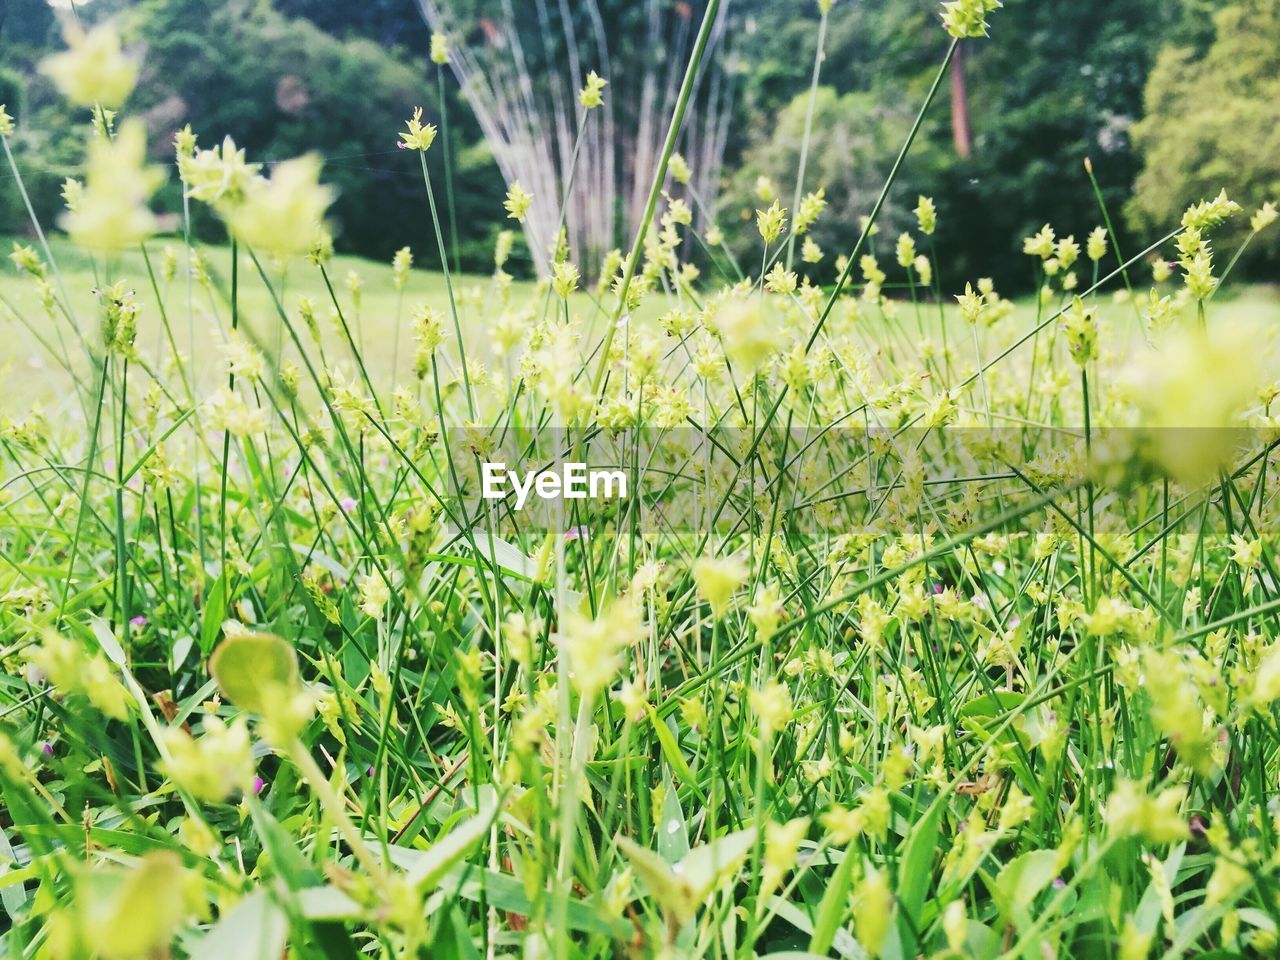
[(913, 637)]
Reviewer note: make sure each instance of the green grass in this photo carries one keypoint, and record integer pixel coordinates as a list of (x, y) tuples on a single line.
[(913, 638)]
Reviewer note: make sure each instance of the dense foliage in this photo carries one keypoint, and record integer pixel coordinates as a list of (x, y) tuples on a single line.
[(900, 618)]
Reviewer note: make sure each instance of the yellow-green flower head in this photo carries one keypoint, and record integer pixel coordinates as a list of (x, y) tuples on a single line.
[(1042, 245), (401, 264), (111, 210), (1096, 246), (595, 648), (906, 250), (679, 168), (1263, 218), (439, 48), (518, 202), (217, 765), (591, 95), (1080, 326), (95, 70), (967, 18), (971, 304), (824, 6), (419, 135), (772, 704), (1210, 213), (6, 122), (283, 215), (1201, 283), (926, 215), (1068, 252), (811, 207), (771, 222), (217, 176), (716, 579), (743, 325), (564, 279)]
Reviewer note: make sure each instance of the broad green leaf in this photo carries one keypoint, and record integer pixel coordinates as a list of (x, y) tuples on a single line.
[(835, 901), (1022, 879), (673, 832), (215, 611), (428, 867), (913, 879), (254, 929), (670, 748)]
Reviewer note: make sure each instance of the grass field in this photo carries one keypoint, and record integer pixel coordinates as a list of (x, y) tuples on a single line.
[(906, 625)]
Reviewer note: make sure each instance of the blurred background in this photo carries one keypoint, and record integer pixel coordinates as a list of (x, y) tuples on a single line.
[(1170, 99)]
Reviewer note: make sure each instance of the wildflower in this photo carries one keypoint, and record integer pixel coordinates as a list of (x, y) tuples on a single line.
[(772, 704), (595, 648), (780, 280), (714, 236), (225, 410), (439, 48), (967, 18), (70, 669), (1068, 251), (743, 326), (873, 910), (972, 304), (217, 765), (1080, 326), (419, 136), (1041, 245), (771, 222), (811, 207), (810, 252), (716, 579), (1201, 283), (1263, 218), (374, 594), (1246, 553), (781, 848), (766, 612), (1210, 213), (590, 96), (517, 202), (926, 215), (1160, 270), (1096, 245), (401, 264), (923, 267), (564, 279), (678, 167), (94, 72), (1264, 682), (766, 189), (906, 250), (283, 215), (1130, 811), (6, 122), (111, 210)]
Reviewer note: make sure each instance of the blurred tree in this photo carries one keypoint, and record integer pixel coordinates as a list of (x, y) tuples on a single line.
[(1213, 121), (1054, 84), (281, 87), (390, 22)]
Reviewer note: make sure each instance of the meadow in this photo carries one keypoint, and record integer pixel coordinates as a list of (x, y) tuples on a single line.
[(936, 623)]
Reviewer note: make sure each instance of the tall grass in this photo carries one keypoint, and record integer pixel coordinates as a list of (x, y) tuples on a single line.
[(907, 640)]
